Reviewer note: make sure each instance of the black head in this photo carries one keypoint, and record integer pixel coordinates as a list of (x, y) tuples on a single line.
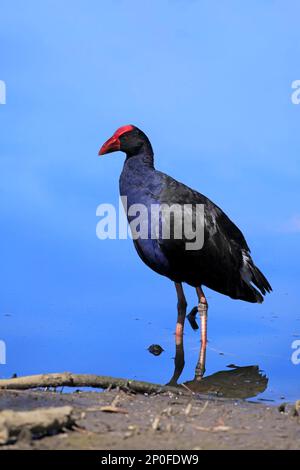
[(128, 139)]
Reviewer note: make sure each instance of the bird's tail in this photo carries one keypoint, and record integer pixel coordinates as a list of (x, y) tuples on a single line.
[(257, 284)]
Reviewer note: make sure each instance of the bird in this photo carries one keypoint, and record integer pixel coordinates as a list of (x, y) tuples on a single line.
[(223, 263)]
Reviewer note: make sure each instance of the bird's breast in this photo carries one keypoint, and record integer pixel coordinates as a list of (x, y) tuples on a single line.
[(140, 193)]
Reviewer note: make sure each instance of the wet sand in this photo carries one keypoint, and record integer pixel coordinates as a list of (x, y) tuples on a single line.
[(165, 421)]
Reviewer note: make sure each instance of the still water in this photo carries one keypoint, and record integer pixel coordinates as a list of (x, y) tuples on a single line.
[(70, 312)]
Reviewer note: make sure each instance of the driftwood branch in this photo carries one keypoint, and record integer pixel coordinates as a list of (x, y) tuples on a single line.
[(67, 379), (36, 423)]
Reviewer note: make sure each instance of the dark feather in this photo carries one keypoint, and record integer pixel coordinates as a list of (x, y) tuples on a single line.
[(223, 264)]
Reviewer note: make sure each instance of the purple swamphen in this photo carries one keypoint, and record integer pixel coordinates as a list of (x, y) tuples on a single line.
[(223, 263)]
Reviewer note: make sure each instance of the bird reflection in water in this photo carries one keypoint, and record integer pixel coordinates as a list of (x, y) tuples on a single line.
[(237, 382)]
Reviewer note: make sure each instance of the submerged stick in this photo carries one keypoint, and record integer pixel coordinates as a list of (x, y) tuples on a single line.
[(67, 379)]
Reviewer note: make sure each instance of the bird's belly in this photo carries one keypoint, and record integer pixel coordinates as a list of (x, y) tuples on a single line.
[(150, 252)]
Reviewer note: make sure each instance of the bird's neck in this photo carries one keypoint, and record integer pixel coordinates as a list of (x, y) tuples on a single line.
[(142, 160), (136, 175)]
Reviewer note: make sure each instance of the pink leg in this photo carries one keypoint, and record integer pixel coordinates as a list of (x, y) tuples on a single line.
[(201, 296), (202, 309)]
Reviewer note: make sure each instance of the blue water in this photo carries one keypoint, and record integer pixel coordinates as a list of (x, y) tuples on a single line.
[(211, 85), (63, 311)]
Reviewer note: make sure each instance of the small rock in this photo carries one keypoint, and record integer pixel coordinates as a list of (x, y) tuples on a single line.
[(155, 349), (282, 408)]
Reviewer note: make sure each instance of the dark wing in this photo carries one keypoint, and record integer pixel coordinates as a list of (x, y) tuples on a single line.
[(224, 262)]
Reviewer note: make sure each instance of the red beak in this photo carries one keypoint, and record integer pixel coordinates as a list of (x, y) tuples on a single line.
[(111, 145)]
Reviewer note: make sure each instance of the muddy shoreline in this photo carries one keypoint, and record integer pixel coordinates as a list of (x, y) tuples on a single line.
[(164, 421)]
